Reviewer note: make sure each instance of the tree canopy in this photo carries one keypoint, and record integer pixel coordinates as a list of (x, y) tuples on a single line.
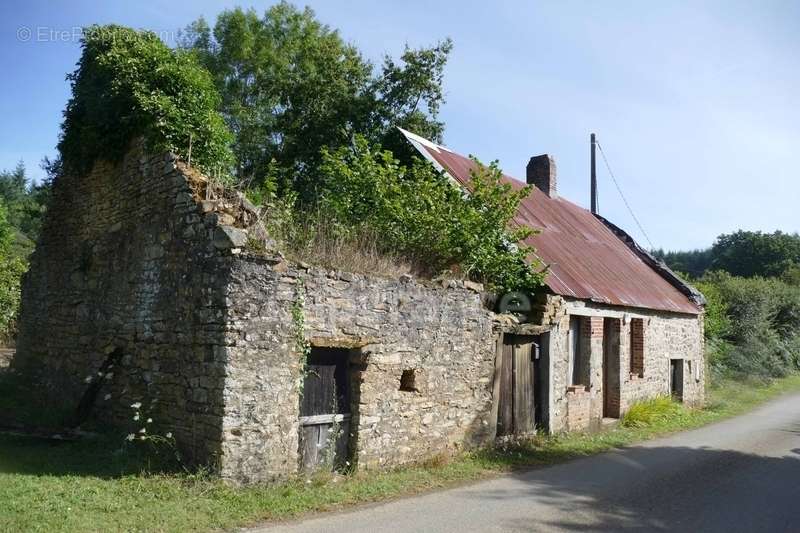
[(754, 253), (291, 85)]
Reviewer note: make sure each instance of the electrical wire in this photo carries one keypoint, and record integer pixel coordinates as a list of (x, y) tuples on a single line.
[(625, 200)]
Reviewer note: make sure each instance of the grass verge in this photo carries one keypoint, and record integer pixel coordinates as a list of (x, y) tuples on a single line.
[(93, 486)]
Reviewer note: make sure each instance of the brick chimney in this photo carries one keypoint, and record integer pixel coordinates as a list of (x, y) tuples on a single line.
[(541, 173)]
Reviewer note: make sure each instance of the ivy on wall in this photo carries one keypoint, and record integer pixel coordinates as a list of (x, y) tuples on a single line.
[(128, 84)]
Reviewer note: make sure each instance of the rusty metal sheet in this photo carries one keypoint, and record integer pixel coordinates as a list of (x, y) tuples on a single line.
[(586, 259)]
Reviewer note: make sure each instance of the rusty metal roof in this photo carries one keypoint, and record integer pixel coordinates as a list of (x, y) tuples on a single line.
[(586, 259)]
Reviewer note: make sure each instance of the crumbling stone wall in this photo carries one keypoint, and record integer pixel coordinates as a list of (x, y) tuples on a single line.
[(126, 268), (138, 278), (444, 334), (667, 336)]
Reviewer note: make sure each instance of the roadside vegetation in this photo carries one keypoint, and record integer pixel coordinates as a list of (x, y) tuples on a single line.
[(752, 283)]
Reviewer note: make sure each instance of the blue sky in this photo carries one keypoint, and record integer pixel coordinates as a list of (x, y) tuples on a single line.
[(695, 103)]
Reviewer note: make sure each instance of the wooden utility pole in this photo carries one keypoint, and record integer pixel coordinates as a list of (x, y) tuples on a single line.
[(593, 176)]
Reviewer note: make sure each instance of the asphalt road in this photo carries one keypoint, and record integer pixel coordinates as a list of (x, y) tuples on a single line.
[(742, 474)]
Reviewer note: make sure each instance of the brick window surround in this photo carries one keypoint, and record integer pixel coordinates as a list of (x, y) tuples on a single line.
[(637, 347)]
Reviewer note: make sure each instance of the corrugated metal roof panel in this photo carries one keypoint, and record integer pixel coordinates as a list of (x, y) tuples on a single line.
[(586, 259)]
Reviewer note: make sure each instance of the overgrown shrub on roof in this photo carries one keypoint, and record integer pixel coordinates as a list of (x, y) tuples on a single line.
[(415, 214), (128, 84)]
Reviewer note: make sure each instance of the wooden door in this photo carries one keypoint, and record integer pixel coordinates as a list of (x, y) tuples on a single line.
[(325, 410), (516, 405)]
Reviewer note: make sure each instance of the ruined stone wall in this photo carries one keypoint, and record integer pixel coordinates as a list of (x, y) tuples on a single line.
[(126, 268), (443, 334), (666, 336)]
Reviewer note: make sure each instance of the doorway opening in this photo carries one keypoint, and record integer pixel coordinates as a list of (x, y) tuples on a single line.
[(676, 379), (327, 408), (612, 328), (523, 391)]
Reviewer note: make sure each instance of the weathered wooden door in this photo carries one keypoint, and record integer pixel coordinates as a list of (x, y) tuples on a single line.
[(325, 410), (516, 405)]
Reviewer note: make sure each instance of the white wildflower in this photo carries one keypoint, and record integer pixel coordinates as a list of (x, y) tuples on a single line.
[(107, 397), (130, 436), (109, 375), (87, 379), (136, 417), (143, 430), (142, 437), (136, 405), (100, 374), (168, 435), (149, 420)]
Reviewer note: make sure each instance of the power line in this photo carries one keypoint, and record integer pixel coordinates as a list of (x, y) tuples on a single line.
[(625, 200)]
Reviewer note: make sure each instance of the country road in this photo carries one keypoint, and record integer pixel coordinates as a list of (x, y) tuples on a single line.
[(742, 474)]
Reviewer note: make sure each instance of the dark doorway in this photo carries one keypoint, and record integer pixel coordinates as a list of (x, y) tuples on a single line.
[(541, 379), (611, 367), (522, 385), (326, 410), (676, 379)]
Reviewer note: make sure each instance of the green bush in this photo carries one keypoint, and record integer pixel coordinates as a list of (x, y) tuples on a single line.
[(752, 325), (418, 216), (129, 84)]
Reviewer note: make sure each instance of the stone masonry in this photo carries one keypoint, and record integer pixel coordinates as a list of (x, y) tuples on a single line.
[(134, 280), (666, 336)]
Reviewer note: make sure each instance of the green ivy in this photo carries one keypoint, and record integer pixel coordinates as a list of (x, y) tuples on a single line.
[(130, 84), (301, 345)]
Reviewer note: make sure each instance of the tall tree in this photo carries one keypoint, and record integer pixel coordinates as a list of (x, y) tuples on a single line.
[(291, 85)]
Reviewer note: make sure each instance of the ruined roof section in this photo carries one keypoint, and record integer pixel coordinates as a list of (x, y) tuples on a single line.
[(587, 259)]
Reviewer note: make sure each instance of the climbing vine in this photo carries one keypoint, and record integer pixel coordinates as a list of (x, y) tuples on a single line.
[(301, 345)]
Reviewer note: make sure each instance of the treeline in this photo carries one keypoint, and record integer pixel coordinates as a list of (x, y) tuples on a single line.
[(22, 205), (752, 283), (742, 253)]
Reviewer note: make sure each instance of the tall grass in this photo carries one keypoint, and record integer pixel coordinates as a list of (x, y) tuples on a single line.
[(653, 412)]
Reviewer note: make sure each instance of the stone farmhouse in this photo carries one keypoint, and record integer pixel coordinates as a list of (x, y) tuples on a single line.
[(150, 285)]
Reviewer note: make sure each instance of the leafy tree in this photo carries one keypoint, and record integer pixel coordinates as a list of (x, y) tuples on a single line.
[(24, 200), (129, 84), (420, 215), (291, 86), (753, 253)]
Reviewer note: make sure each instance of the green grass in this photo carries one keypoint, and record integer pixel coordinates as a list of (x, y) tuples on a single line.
[(93, 486)]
